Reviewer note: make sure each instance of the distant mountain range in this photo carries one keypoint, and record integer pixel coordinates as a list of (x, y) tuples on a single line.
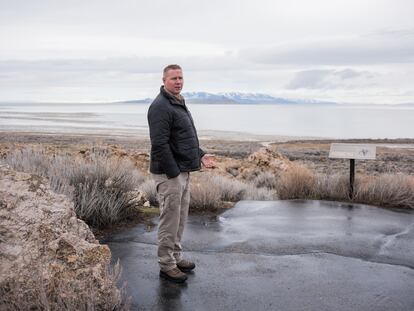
[(234, 98)]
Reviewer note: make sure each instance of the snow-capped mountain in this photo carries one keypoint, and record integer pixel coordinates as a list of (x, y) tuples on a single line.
[(251, 97), (243, 98), (236, 98)]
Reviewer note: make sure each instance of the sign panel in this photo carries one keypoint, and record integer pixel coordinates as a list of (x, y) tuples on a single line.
[(353, 151)]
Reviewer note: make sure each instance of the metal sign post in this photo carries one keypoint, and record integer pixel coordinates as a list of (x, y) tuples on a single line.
[(351, 177), (352, 152)]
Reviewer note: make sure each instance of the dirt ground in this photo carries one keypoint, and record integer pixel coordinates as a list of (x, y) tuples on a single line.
[(396, 155), (393, 156)]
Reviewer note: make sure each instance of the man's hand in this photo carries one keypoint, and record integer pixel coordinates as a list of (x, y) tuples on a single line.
[(208, 161)]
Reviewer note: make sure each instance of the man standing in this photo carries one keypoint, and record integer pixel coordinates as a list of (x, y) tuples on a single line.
[(175, 152)]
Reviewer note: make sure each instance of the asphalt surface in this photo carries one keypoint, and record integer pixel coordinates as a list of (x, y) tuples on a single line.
[(281, 255)]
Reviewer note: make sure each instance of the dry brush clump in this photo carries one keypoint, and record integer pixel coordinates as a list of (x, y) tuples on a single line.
[(259, 194), (265, 180), (230, 189), (331, 187), (150, 191), (29, 160), (104, 190), (209, 191), (205, 194), (101, 188), (35, 289), (386, 190), (298, 182)]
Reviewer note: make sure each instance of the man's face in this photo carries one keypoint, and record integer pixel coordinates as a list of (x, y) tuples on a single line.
[(173, 81)]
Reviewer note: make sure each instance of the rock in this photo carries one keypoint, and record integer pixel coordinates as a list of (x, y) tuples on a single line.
[(268, 158), (138, 196), (264, 160), (46, 251)]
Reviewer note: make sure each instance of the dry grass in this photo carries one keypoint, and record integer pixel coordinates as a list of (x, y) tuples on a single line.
[(102, 190), (385, 190), (296, 183), (265, 180), (230, 189), (205, 194), (208, 191), (331, 187), (31, 290), (100, 187), (388, 190), (148, 188), (259, 194)]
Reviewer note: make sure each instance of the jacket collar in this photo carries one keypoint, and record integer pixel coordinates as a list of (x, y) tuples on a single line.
[(173, 99)]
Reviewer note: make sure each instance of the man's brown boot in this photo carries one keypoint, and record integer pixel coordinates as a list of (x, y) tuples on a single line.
[(174, 275), (185, 265)]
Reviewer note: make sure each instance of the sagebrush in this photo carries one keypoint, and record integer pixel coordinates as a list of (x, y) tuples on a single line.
[(100, 187), (386, 190)]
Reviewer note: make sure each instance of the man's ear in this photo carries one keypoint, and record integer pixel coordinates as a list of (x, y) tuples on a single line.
[(163, 79)]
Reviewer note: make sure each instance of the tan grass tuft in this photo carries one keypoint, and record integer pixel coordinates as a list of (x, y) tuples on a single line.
[(205, 194), (298, 182), (100, 187), (387, 190), (148, 188), (35, 291)]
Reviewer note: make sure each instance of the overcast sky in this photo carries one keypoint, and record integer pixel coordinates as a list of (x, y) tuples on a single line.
[(358, 51)]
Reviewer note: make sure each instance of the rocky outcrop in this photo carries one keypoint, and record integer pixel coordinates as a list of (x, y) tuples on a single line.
[(49, 259), (266, 159)]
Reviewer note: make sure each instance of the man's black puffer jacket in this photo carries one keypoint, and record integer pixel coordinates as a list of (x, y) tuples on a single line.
[(174, 142)]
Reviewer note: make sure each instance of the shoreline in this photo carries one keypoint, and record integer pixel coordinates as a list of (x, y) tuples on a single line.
[(208, 135), (142, 134)]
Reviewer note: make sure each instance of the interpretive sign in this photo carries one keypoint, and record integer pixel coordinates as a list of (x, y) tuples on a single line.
[(353, 151)]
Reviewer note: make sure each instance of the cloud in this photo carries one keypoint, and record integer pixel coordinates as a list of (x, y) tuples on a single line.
[(406, 32), (121, 64), (327, 79), (361, 50)]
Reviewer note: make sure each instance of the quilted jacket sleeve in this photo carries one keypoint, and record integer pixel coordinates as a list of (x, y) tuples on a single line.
[(160, 121)]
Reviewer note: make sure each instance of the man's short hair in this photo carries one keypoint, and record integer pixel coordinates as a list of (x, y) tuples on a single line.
[(170, 67)]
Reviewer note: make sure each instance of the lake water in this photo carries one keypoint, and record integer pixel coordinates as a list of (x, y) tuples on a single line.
[(326, 121)]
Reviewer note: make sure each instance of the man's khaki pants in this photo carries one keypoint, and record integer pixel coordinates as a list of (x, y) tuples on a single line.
[(174, 199)]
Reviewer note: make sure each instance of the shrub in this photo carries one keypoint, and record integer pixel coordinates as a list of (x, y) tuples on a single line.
[(331, 187), (298, 182), (209, 190), (385, 190), (230, 190), (205, 194), (148, 188), (388, 190), (100, 187), (29, 290), (260, 194), (265, 180), (29, 160), (102, 190)]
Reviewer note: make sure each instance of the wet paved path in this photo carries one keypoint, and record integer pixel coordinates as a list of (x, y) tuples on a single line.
[(282, 255)]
